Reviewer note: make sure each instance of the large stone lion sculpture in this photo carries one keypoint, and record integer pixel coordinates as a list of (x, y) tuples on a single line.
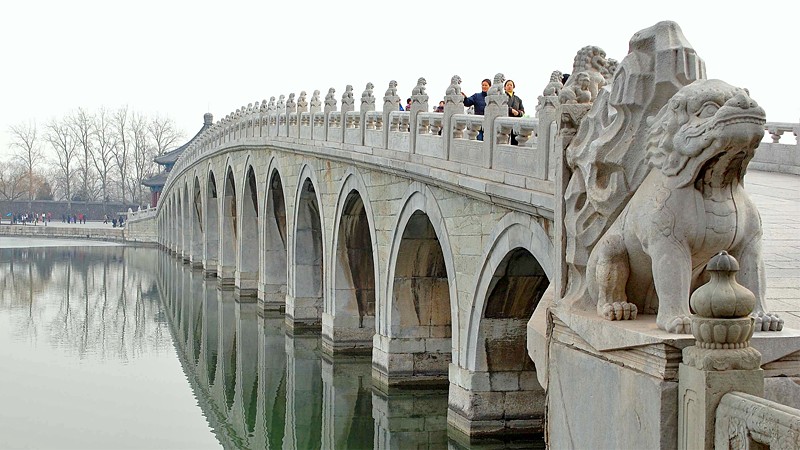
[(691, 205), (654, 186)]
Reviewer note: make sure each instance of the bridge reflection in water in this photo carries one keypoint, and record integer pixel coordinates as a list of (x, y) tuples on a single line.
[(260, 387)]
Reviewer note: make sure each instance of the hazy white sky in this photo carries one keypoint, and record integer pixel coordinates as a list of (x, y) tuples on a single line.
[(181, 58)]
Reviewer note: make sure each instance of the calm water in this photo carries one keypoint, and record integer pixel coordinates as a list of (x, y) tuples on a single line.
[(108, 346)]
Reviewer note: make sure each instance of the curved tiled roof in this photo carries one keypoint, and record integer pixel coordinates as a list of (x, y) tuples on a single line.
[(171, 156)]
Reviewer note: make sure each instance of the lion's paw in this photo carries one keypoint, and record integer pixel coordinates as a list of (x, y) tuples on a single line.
[(618, 311), (767, 322), (678, 325)]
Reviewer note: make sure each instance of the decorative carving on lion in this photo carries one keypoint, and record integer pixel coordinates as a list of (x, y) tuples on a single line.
[(656, 187)]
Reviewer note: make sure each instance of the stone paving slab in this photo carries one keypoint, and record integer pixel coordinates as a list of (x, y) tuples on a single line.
[(777, 197)]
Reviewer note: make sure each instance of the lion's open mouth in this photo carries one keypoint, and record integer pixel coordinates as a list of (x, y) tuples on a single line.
[(739, 118)]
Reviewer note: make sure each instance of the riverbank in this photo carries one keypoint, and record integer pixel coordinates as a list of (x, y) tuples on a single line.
[(60, 230)]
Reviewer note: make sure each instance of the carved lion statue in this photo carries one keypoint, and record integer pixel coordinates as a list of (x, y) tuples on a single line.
[(691, 205), (455, 86)]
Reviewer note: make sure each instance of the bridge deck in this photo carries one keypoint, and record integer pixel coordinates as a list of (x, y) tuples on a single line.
[(778, 199)]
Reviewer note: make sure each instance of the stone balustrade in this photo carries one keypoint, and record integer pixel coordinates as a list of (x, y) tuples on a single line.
[(449, 136), (780, 155), (748, 421)]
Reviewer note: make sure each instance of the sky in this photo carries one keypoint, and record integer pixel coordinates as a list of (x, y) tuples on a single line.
[(181, 59)]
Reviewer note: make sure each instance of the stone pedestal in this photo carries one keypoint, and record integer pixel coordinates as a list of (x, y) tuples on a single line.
[(226, 276), (347, 335), (272, 297), (494, 403), (246, 284), (418, 362), (303, 314), (614, 384), (621, 398)]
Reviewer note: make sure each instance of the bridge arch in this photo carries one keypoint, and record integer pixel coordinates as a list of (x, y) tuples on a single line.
[(426, 349), (306, 255), (514, 231), (273, 278), (211, 219), (229, 229), (196, 226), (183, 229), (348, 321), (516, 269), (247, 262)]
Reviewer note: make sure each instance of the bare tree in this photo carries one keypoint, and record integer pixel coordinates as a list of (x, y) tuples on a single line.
[(164, 134), (121, 151), (25, 142), (143, 153), (63, 141), (13, 182), (82, 124), (103, 153)]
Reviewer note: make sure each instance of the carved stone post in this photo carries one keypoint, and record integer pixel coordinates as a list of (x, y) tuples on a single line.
[(348, 104), (367, 104), (391, 102), (496, 106), (291, 108), (330, 106), (453, 104), (721, 360), (419, 103), (302, 107)]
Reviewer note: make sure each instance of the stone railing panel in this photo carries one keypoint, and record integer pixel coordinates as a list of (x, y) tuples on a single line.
[(745, 421), (399, 136), (465, 148), (373, 129), (318, 128), (429, 139), (305, 129), (335, 132), (526, 158), (294, 125), (353, 130)]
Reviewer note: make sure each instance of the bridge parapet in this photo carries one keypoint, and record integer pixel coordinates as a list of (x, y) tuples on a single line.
[(434, 137)]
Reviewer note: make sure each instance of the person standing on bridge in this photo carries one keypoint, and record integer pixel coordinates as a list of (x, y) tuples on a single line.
[(478, 101), (515, 108)]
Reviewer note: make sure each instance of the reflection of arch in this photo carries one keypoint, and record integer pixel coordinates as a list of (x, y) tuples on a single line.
[(308, 254), (247, 240), (196, 214), (354, 276), (210, 353), (212, 241), (513, 231), (185, 227), (229, 231), (273, 271)]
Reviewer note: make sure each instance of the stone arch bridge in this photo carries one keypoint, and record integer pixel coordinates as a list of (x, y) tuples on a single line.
[(393, 233)]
